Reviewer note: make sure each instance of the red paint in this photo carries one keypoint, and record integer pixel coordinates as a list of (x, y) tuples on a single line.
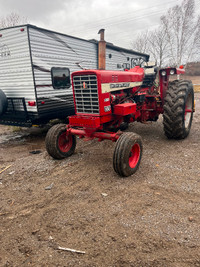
[(31, 103), (65, 142), (91, 134), (136, 103), (125, 109), (187, 111), (85, 121), (164, 80), (134, 156)]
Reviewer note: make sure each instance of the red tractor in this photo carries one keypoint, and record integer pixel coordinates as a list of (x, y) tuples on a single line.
[(107, 101)]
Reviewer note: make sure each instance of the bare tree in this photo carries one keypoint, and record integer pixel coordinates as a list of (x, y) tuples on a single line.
[(182, 31), (177, 40), (154, 43), (12, 19), (141, 43), (158, 46)]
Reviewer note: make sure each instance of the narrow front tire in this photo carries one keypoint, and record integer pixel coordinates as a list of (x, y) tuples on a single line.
[(59, 144), (127, 154)]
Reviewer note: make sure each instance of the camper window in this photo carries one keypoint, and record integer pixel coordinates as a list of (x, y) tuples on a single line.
[(60, 78)]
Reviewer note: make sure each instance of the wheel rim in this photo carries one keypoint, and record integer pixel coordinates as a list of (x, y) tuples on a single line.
[(65, 142), (188, 110), (134, 156)]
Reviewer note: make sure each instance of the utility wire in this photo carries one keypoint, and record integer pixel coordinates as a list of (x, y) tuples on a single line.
[(136, 18), (120, 17), (125, 14)]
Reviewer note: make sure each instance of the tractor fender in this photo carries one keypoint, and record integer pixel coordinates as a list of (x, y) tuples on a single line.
[(3, 102)]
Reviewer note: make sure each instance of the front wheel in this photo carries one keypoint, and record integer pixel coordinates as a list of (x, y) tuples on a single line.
[(127, 154), (59, 145)]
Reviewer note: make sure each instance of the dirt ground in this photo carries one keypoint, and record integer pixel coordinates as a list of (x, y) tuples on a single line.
[(149, 219), (195, 80)]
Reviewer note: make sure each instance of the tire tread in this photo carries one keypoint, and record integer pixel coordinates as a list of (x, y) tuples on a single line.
[(174, 108), (51, 142)]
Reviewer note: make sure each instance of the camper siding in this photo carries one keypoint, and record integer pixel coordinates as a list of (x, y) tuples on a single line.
[(16, 77), (27, 55), (115, 59), (49, 49)]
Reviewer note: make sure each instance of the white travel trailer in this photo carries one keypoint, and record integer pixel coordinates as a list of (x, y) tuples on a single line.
[(35, 68)]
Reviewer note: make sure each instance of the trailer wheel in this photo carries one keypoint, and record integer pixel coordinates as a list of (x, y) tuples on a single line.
[(3, 103), (58, 144), (127, 154), (178, 109)]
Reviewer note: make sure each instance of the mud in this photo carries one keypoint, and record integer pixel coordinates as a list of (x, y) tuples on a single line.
[(149, 219)]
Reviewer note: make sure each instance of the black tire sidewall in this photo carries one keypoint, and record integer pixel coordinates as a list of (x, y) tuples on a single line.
[(51, 142), (188, 92), (174, 109), (3, 102), (122, 153)]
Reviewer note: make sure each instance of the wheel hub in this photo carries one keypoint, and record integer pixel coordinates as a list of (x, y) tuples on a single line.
[(134, 155), (64, 142)]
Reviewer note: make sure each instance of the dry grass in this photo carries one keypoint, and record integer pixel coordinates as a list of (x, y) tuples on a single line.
[(195, 80), (197, 88)]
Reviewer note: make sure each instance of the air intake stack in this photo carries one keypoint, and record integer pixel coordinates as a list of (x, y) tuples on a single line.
[(101, 51)]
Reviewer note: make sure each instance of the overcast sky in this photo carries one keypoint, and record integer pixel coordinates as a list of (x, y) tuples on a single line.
[(122, 20)]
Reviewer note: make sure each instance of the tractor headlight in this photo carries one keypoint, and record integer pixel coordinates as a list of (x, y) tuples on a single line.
[(107, 108), (172, 72), (163, 73)]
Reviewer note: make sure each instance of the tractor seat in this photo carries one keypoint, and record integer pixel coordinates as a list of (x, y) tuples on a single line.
[(150, 70)]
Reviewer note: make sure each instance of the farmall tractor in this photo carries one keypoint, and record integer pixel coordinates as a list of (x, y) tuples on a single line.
[(107, 101)]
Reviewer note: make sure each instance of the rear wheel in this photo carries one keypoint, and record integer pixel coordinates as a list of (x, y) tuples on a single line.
[(178, 109), (127, 154), (59, 145), (3, 103)]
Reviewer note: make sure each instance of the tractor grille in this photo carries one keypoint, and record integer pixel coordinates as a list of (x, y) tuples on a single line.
[(86, 94)]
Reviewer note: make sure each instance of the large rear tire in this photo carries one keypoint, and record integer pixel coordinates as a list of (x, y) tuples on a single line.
[(178, 109), (3, 103), (127, 154), (59, 145)]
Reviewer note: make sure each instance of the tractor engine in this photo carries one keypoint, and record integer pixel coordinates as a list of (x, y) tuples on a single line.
[(106, 99)]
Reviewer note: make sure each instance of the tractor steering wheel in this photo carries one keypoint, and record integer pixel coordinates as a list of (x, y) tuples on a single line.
[(137, 62)]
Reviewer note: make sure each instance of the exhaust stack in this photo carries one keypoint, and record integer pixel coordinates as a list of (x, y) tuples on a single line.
[(101, 51)]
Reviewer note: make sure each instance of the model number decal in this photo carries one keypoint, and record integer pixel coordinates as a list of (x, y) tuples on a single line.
[(119, 85), (110, 87), (4, 50)]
